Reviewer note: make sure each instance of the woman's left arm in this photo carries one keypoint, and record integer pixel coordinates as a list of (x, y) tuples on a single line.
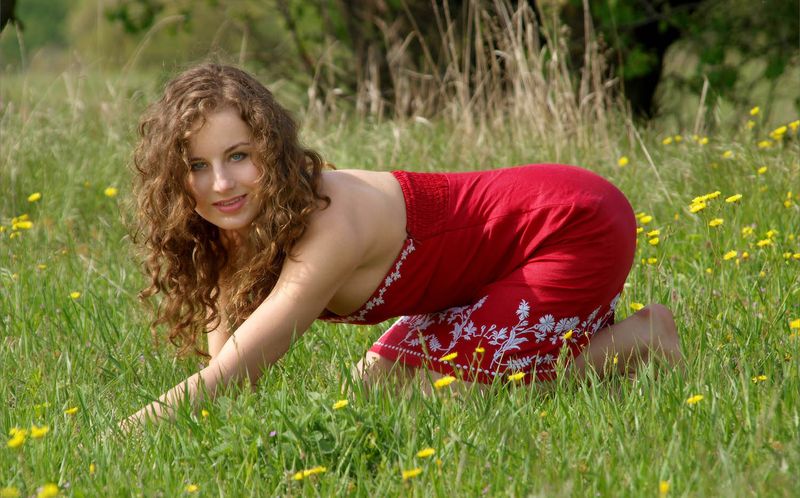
[(324, 257)]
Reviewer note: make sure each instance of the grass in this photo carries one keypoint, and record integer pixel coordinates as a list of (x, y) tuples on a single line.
[(69, 137)]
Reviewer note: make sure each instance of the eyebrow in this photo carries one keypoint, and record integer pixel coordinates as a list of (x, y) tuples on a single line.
[(229, 149)]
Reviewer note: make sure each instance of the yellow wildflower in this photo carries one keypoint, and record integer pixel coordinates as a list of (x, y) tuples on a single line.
[(678, 138), (408, 474), (716, 222), (755, 110), (616, 359), (49, 490), (517, 376), (340, 404), (17, 439), (449, 357), (764, 144), (9, 492), (71, 411), (778, 133), (653, 233), (764, 242), (41, 266), (703, 141), (444, 381), (762, 170), (479, 350), (747, 231), (110, 191), (794, 324), (34, 197), (425, 452), (622, 161), (39, 432), (667, 141), (771, 233), (663, 487), (745, 255), (192, 488), (204, 413), (750, 124), (22, 225), (646, 219), (74, 294), (639, 229), (759, 378), (542, 414), (693, 400), (92, 469), (697, 207), (568, 335), (653, 241), (796, 255), (794, 125), (652, 261), (733, 198), (709, 271), (636, 306), (713, 195), (730, 255), (727, 154), (302, 474)]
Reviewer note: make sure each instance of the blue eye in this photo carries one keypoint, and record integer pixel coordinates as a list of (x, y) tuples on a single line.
[(238, 156), (197, 166)]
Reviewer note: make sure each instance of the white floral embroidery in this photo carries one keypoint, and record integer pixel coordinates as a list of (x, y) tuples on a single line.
[(377, 300), (506, 339)]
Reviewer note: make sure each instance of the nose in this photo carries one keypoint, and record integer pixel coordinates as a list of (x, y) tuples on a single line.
[(223, 181)]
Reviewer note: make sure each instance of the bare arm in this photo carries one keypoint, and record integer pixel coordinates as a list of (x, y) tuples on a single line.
[(326, 255)]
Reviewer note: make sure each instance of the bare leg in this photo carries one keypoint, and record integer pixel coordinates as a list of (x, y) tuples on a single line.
[(648, 333)]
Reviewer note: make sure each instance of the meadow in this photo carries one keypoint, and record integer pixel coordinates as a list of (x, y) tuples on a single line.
[(719, 244)]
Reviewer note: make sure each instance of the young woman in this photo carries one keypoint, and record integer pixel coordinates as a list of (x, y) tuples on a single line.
[(249, 239)]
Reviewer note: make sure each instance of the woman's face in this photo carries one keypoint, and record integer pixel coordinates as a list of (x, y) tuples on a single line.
[(223, 177)]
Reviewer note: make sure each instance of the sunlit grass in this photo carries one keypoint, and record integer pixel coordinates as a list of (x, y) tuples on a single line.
[(77, 355)]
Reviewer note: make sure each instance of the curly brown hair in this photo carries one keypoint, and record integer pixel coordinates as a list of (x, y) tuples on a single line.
[(186, 257)]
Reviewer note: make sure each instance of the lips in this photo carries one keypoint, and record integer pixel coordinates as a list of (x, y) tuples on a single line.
[(231, 205)]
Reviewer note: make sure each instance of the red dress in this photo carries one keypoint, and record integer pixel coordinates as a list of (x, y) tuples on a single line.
[(504, 268)]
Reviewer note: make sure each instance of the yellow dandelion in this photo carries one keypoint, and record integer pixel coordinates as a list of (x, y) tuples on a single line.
[(764, 242), (755, 110), (762, 170), (636, 306), (663, 487), (678, 138), (444, 381), (302, 474), (639, 229), (716, 222), (703, 141), (22, 225), (479, 350), (654, 233), (697, 207), (41, 266), (794, 324), (779, 132), (516, 377), (771, 233), (568, 335), (340, 404), (745, 255), (71, 411), (425, 452), (759, 378), (622, 161), (796, 255), (542, 414), (409, 474), (730, 255), (644, 220), (39, 432), (204, 413), (449, 357), (49, 490), (192, 488), (667, 141), (92, 469), (17, 439), (764, 144), (34, 197), (110, 192), (74, 294), (653, 241), (794, 125), (747, 231), (709, 271), (693, 400), (616, 359), (9, 492), (713, 195), (733, 198), (652, 261), (727, 154)]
